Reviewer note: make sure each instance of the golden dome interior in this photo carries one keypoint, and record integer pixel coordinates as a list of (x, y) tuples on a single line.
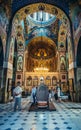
[(42, 48)]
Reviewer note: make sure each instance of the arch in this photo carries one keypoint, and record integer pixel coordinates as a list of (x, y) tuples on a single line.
[(20, 4), (48, 81), (52, 9), (54, 80), (29, 78), (35, 81), (35, 78), (1, 53), (48, 77), (78, 59), (22, 13), (29, 81)]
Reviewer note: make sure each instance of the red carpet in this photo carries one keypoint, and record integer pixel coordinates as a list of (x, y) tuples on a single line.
[(50, 107)]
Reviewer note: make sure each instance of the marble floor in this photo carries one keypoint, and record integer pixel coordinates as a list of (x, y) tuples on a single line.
[(66, 117)]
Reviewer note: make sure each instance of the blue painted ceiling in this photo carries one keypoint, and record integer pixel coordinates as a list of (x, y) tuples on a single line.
[(63, 4)]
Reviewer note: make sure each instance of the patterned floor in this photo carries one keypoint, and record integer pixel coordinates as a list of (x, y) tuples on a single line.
[(66, 117)]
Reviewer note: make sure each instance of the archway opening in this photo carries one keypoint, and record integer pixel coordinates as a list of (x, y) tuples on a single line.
[(41, 41), (79, 53)]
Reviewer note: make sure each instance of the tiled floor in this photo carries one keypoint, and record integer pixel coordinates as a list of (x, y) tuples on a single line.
[(66, 117)]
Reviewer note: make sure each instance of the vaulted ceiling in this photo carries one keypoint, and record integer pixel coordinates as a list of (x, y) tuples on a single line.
[(63, 4), (53, 28), (42, 48)]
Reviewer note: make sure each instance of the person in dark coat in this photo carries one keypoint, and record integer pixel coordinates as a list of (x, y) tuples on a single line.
[(56, 95)]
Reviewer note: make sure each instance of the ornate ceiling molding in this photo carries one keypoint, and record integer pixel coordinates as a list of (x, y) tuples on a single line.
[(22, 13)]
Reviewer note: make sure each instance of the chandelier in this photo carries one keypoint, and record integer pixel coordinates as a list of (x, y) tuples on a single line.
[(41, 69)]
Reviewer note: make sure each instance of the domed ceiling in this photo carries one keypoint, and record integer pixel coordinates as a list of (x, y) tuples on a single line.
[(42, 48), (64, 4), (39, 26)]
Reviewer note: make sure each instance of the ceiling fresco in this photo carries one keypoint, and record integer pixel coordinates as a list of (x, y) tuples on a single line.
[(35, 30), (22, 13), (31, 29), (63, 4)]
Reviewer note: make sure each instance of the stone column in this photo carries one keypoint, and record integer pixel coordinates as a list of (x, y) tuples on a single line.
[(5, 64)]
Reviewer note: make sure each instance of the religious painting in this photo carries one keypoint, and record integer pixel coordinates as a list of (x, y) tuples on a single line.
[(48, 81), (20, 45), (35, 81), (54, 11), (62, 63), (63, 77), (62, 37), (29, 81), (54, 81), (18, 76), (20, 63), (11, 50)]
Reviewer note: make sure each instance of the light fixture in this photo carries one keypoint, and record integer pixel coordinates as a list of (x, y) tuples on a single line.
[(41, 69)]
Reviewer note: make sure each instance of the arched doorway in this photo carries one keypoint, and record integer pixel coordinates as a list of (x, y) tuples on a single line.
[(44, 39)]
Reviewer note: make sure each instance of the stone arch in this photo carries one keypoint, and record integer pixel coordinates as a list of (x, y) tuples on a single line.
[(47, 7), (23, 12)]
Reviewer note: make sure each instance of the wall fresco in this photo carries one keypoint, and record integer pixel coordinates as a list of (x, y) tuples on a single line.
[(3, 26), (20, 63), (76, 20), (62, 63), (11, 53), (76, 17), (3, 19), (62, 37)]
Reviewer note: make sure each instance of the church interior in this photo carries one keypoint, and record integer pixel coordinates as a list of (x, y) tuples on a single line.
[(40, 40)]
